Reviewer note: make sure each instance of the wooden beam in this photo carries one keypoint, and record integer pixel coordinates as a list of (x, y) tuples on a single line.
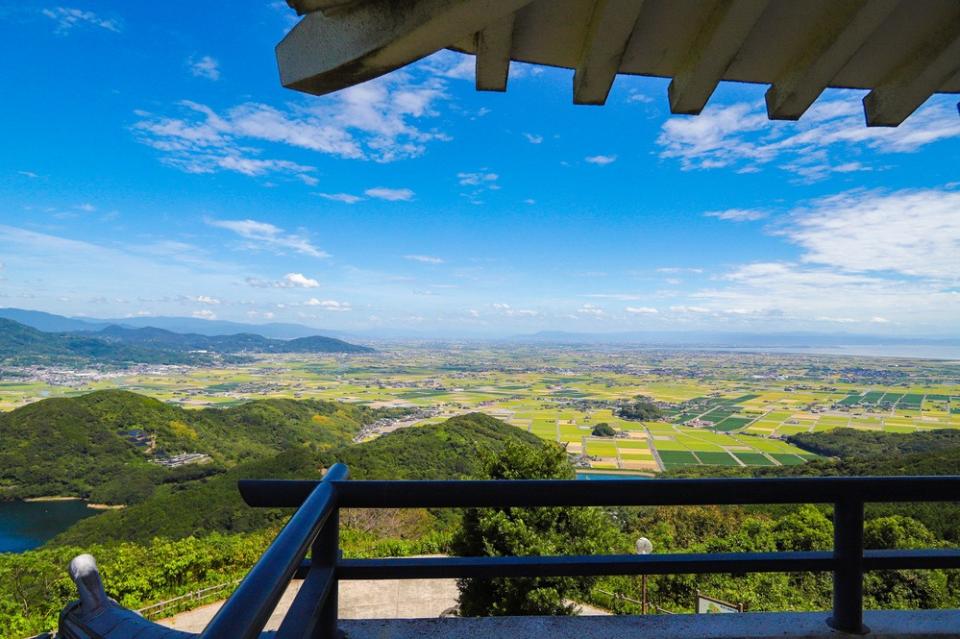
[(493, 54), (711, 53), (922, 73), (607, 37), (836, 37)]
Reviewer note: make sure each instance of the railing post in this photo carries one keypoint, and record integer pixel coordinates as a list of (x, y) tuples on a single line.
[(848, 568), (325, 553)]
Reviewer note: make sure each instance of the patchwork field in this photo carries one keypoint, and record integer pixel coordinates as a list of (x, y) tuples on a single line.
[(720, 409)]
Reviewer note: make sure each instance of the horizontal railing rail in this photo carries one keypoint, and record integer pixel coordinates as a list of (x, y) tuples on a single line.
[(315, 525)]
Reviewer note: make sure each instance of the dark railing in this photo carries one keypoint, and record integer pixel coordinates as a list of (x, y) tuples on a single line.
[(315, 526)]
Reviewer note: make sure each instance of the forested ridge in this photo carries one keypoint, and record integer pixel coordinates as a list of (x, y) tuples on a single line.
[(116, 345), (81, 446)]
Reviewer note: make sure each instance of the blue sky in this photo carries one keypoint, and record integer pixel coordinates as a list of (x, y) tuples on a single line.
[(152, 164)]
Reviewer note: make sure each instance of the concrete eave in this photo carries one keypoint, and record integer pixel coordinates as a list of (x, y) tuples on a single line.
[(901, 51)]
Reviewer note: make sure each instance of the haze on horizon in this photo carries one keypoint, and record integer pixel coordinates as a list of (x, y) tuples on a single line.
[(155, 167)]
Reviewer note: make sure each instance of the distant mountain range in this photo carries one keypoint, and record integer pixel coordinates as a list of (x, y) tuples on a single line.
[(22, 344), (60, 324)]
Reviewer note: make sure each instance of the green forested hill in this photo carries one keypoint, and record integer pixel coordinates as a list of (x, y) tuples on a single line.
[(850, 443), (20, 344), (451, 450), (241, 342), (76, 446)]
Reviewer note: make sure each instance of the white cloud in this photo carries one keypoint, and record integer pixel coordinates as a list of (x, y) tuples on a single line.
[(530, 201), (641, 310), (509, 311), (205, 314), (914, 232), (426, 259), (67, 19), (783, 291), (290, 280), (699, 310), (266, 235), (601, 160), (346, 198), (737, 215), (678, 269), (829, 138), (86, 207), (592, 310), (636, 96), (29, 174), (477, 178), (532, 138), (329, 305), (390, 195), (299, 280), (376, 120), (206, 299), (205, 67)]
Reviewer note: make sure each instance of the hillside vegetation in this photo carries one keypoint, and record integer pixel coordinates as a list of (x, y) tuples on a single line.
[(80, 447), (451, 450)]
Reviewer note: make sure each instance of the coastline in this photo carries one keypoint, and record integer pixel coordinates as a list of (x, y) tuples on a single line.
[(52, 498)]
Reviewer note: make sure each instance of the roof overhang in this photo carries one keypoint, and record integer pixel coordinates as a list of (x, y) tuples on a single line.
[(901, 51)]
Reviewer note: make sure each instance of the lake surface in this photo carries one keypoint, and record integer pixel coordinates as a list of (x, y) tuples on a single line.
[(604, 476), (28, 524)]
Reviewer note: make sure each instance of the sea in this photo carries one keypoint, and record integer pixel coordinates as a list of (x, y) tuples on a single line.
[(28, 524)]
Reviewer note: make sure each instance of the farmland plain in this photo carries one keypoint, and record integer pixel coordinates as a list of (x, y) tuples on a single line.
[(718, 408)]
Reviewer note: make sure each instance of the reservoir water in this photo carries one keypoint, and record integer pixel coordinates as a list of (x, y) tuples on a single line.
[(605, 476), (28, 524)]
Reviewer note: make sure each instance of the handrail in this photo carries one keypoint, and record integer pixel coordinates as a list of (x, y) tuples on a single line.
[(246, 612), (314, 611), (614, 492)]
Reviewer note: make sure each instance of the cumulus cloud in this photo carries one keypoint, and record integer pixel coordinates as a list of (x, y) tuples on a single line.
[(601, 160), (532, 138), (263, 235), (290, 280), (390, 195), (737, 215), (67, 19), (205, 314), (829, 138), (204, 67), (205, 299), (641, 310), (300, 280)]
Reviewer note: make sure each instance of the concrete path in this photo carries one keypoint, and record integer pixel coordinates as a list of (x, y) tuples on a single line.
[(375, 599)]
